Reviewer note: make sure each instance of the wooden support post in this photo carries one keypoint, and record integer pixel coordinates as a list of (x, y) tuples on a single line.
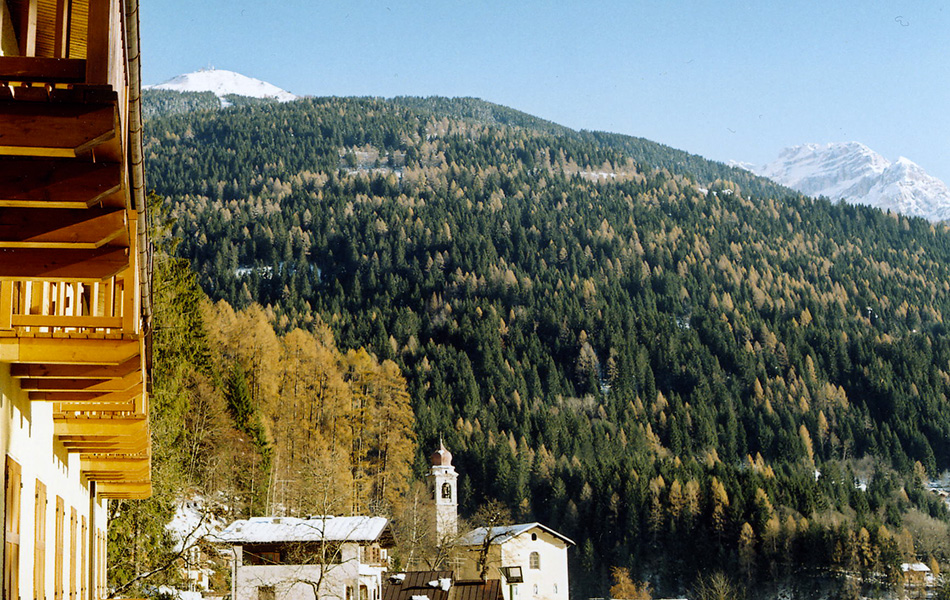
[(60, 299), (108, 294), (129, 291), (61, 40), (99, 42), (6, 305), (94, 298), (27, 33)]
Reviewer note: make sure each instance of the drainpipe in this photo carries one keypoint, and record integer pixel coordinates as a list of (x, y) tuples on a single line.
[(137, 171)]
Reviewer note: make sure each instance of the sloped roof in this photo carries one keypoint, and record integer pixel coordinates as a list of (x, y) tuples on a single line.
[(476, 590), (406, 586), (416, 585), (502, 534), (315, 529)]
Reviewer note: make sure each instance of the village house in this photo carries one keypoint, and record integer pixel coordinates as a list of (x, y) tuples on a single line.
[(74, 289), (916, 578), (530, 557), (288, 558)]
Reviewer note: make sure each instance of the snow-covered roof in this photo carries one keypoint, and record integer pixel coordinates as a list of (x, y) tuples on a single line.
[(502, 534), (314, 529), (917, 566)]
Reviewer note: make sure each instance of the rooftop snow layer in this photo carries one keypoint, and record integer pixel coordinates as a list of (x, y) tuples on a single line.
[(314, 529)]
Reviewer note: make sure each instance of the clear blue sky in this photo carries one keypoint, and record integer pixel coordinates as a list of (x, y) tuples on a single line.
[(723, 79)]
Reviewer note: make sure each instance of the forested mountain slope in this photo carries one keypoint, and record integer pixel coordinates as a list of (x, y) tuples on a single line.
[(651, 353)]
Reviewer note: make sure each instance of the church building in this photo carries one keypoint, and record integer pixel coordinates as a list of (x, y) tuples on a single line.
[(529, 558)]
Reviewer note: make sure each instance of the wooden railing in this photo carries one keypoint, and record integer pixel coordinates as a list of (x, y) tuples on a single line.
[(109, 306)]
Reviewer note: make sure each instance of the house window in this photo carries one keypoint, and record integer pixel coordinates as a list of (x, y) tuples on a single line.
[(534, 537), (555, 588), (535, 589), (534, 560), (265, 592), (447, 490)]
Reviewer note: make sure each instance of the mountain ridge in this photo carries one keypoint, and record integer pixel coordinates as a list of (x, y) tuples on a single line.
[(223, 83)]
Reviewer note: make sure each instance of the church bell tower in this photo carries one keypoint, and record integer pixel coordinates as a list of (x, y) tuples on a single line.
[(443, 483)]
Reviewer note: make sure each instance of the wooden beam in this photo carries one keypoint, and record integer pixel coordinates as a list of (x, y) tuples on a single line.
[(87, 371), (54, 129), (57, 264), (59, 351), (112, 462), (58, 183), (81, 229), (117, 476), (84, 385), (87, 396), (92, 428), (124, 490), (42, 70), (67, 322)]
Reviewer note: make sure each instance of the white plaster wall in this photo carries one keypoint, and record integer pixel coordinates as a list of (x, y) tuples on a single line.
[(551, 579), (26, 436), (8, 43)]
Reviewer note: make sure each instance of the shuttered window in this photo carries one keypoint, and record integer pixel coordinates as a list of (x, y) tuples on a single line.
[(84, 566), (73, 538), (58, 562), (39, 542), (11, 531)]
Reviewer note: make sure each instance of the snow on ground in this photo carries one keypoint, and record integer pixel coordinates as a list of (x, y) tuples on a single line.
[(193, 519), (180, 594)]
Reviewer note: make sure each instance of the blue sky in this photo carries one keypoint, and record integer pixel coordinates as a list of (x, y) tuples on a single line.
[(723, 79)]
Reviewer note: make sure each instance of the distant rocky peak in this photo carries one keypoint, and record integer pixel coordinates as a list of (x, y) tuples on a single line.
[(852, 172)]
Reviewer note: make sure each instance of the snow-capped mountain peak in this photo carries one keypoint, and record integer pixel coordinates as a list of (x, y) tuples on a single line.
[(223, 83), (852, 172)]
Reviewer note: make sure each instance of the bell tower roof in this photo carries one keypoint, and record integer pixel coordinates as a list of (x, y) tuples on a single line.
[(441, 457)]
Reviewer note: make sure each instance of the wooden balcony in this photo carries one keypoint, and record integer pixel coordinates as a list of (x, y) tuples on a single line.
[(78, 346), (71, 262)]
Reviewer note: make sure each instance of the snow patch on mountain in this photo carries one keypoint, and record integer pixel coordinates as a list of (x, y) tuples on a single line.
[(852, 172), (223, 83)]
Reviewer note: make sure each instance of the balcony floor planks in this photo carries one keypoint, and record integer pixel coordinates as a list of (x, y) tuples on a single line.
[(49, 183)]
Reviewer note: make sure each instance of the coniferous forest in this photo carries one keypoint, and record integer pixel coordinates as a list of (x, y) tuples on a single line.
[(682, 367)]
